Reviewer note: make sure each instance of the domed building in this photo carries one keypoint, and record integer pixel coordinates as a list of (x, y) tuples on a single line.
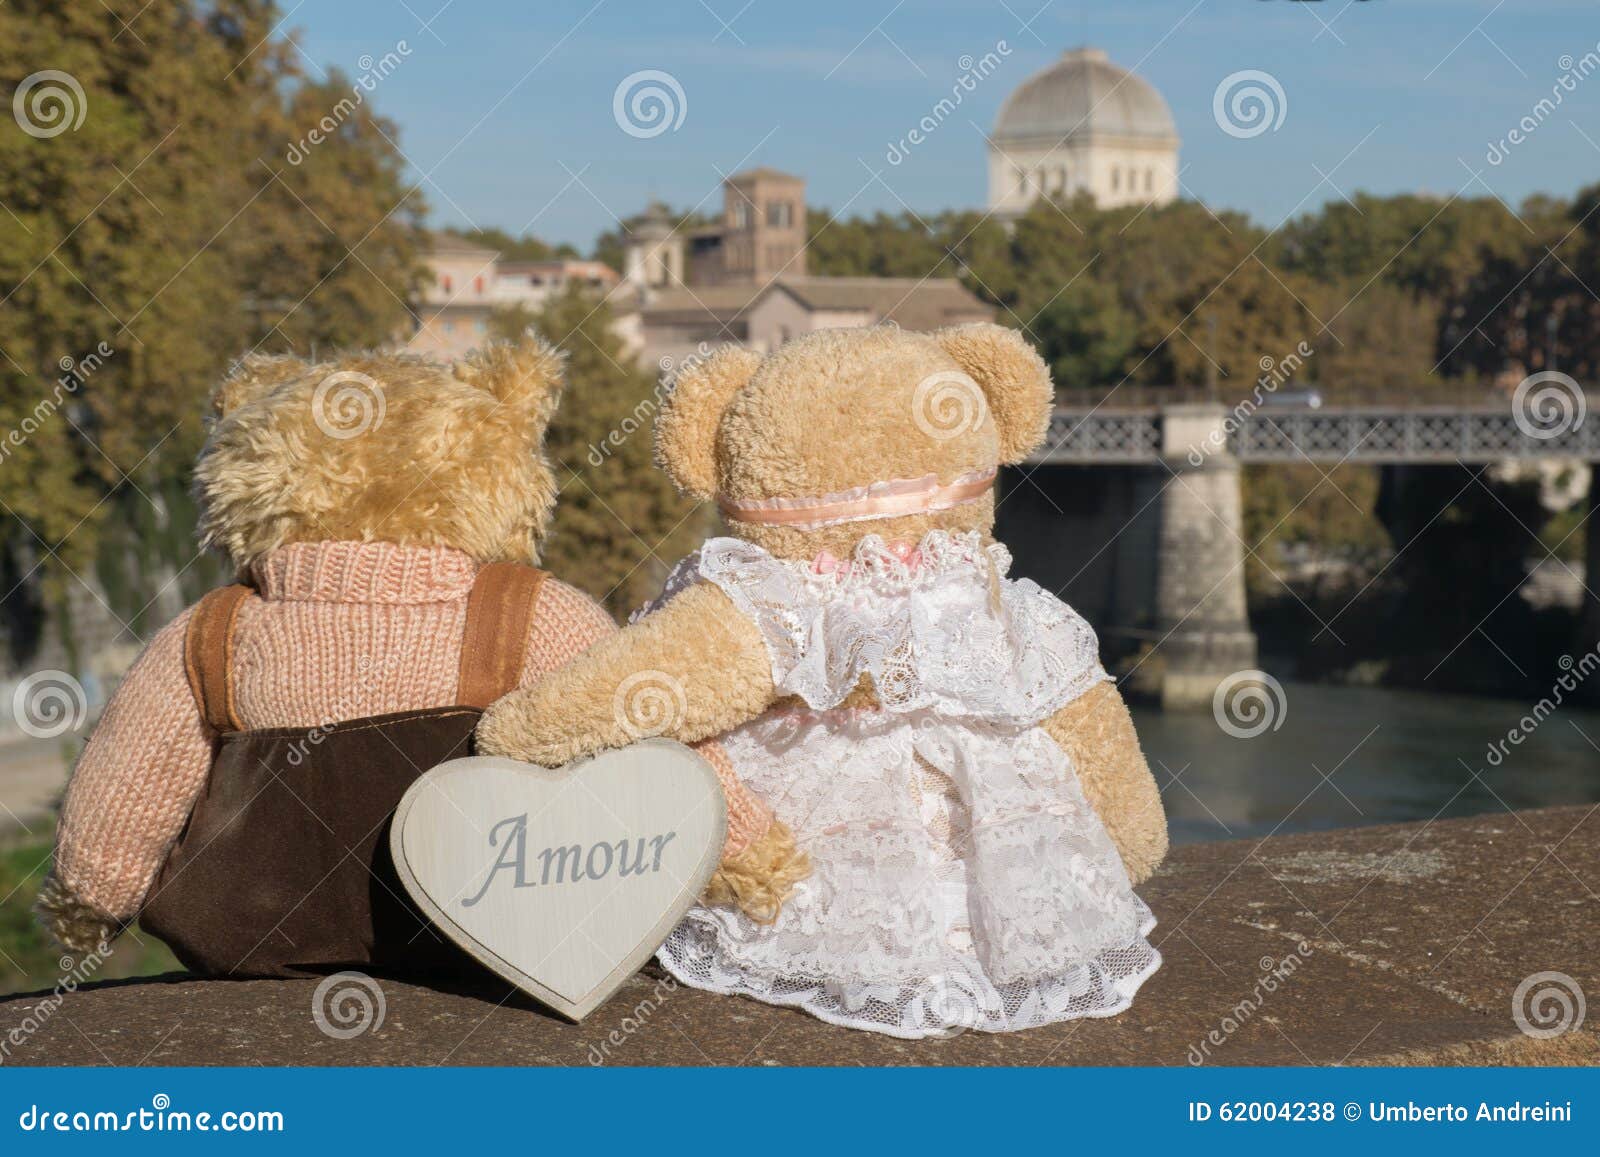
[(1083, 125)]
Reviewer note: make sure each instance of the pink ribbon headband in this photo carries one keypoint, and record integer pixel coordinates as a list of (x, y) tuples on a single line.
[(894, 499)]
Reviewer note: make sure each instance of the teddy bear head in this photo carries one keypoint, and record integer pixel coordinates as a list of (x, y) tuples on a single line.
[(382, 447), (846, 433)]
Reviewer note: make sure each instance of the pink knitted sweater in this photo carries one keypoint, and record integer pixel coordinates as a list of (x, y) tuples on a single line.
[(342, 630)]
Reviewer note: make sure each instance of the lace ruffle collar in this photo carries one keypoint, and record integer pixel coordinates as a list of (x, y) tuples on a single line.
[(938, 627)]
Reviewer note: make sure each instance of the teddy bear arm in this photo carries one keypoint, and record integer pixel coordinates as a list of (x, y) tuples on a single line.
[(1096, 732), (690, 671), (128, 798), (760, 864)]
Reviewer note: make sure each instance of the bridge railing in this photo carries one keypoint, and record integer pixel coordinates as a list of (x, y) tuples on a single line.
[(1331, 434), (1290, 396)]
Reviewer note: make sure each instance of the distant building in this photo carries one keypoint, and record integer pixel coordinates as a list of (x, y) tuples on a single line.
[(467, 283), (1083, 125), (529, 283), (744, 278), (682, 322), (454, 306)]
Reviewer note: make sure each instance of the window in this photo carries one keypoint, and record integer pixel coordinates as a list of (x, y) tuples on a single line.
[(446, 283), (449, 327), (780, 214), (477, 285), (480, 327), (1149, 180), (741, 215), (1116, 178)]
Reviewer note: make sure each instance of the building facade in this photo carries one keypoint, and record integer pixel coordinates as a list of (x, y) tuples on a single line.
[(1083, 125), (467, 283), (743, 279)]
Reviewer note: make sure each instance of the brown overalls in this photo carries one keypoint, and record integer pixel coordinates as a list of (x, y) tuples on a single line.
[(283, 868)]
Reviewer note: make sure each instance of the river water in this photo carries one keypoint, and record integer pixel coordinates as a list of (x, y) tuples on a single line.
[(1388, 756)]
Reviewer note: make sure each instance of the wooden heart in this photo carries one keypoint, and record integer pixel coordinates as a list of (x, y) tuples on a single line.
[(563, 882)]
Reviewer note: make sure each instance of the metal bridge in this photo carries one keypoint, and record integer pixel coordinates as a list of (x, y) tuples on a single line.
[(1084, 434)]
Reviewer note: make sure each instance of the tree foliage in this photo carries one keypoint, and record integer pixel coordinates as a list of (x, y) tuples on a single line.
[(156, 226), (619, 524), (1401, 293)]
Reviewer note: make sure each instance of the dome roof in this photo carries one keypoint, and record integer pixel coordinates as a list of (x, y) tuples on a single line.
[(1084, 93)]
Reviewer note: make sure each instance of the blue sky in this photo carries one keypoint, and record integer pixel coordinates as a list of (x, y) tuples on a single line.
[(506, 109)]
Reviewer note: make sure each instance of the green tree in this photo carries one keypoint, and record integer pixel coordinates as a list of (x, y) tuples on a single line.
[(884, 246), (619, 525), (1088, 336), (154, 230)]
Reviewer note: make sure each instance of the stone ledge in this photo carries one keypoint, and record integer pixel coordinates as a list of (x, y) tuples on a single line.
[(1415, 937)]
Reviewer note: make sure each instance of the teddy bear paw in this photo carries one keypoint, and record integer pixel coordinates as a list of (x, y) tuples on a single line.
[(76, 926), (509, 729), (760, 878)]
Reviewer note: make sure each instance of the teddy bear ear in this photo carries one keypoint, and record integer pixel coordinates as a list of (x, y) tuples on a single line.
[(686, 427), (528, 374), (1014, 379), (254, 376)]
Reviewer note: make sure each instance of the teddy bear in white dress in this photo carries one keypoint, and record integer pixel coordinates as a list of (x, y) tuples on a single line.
[(960, 878), (921, 722)]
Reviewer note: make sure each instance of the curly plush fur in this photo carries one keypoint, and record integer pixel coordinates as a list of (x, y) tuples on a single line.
[(74, 925), (834, 410), (458, 462), (759, 879)]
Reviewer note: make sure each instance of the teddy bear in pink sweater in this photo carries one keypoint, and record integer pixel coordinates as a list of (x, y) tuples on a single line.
[(365, 504)]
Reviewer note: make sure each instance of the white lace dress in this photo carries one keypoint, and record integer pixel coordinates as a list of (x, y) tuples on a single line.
[(960, 878)]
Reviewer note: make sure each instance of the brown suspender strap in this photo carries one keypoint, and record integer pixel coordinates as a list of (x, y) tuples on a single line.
[(208, 654), (499, 611)]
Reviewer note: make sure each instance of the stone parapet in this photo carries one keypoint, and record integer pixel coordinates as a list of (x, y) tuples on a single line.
[(1402, 944)]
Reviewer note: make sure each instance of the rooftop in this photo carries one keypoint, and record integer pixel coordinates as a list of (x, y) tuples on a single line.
[(449, 245), (1084, 94), (763, 172), (910, 302)]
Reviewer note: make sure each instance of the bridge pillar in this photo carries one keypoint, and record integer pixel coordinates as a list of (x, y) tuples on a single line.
[(1200, 591)]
